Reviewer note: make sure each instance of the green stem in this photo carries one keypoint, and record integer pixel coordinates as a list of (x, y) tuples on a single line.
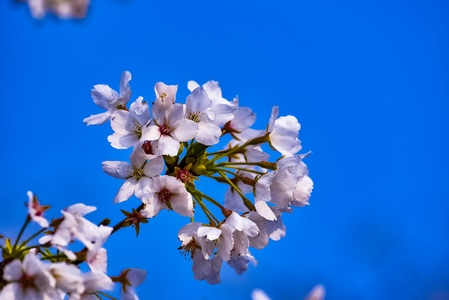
[(27, 221), (207, 212), (248, 170), (34, 235), (237, 189), (29, 248), (211, 200)]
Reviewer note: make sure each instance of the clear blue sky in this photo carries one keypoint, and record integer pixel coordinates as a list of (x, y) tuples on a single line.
[(369, 83)]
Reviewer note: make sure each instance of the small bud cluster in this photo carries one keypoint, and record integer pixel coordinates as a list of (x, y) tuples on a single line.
[(172, 145), (64, 9)]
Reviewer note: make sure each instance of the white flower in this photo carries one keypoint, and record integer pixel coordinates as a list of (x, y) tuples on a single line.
[(262, 196), (138, 174), (127, 125), (199, 110), (188, 234), (216, 237), (35, 210), (167, 192), (130, 279), (302, 191), (37, 8), (244, 117), (109, 99), (289, 187), (94, 282), (68, 277), (274, 230), (242, 224), (96, 257), (317, 293), (224, 109), (29, 279), (284, 133), (165, 94), (169, 129), (64, 9), (258, 294), (74, 226), (240, 261), (207, 269)]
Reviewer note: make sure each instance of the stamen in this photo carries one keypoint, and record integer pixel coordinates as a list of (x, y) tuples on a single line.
[(164, 195), (165, 129), (147, 148), (195, 117)]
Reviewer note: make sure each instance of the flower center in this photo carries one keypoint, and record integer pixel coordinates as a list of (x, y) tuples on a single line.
[(147, 148), (195, 117), (27, 281), (165, 195), (165, 129), (138, 173), (37, 207), (188, 250)]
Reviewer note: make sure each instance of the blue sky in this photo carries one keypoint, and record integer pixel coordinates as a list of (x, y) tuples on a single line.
[(368, 81)]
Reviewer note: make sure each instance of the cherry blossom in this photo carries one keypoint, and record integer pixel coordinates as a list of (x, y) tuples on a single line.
[(167, 192), (137, 175), (109, 99), (35, 210)]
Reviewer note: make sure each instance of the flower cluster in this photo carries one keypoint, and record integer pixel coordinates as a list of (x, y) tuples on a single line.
[(171, 146), (64, 9), (51, 269)]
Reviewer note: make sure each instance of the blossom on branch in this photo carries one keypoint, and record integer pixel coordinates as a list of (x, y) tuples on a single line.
[(178, 137)]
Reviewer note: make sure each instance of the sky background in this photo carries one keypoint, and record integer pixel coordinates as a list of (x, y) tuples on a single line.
[(367, 80)]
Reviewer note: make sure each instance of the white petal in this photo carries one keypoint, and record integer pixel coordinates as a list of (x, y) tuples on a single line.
[(188, 231), (182, 204), (212, 233), (185, 130), (198, 101), (226, 242), (122, 141), (151, 133), (166, 145), (208, 133), (117, 169), (317, 293), (119, 121), (103, 96), (136, 276), (258, 294), (242, 224), (302, 191), (97, 119), (264, 210), (274, 115), (152, 209), (126, 190), (97, 260), (154, 167), (80, 209), (192, 85), (243, 119), (13, 270), (97, 281)]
